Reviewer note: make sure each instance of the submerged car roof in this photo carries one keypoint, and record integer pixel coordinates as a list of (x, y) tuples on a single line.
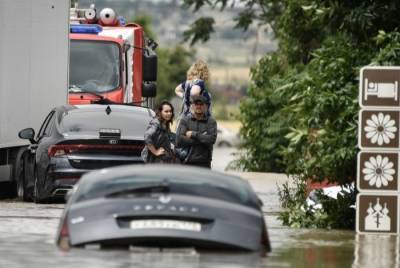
[(101, 179)]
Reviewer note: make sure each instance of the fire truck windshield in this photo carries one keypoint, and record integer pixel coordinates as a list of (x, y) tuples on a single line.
[(94, 66)]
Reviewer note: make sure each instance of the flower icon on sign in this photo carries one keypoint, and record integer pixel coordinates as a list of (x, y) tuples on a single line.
[(378, 171), (380, 128)]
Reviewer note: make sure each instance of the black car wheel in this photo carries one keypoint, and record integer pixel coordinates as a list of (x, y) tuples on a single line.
[(28, 176), (21, 189), (36, 193), (21, 182)]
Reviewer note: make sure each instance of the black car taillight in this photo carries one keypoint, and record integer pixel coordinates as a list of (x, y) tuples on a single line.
[(63, 239), (64, 149), (57, 150)]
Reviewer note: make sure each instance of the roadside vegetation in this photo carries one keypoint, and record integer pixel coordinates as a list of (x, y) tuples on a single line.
[(300, 114)]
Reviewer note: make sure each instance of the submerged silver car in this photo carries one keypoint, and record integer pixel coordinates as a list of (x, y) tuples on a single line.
[(163, 206)]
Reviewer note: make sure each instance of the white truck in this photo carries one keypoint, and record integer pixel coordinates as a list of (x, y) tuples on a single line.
[(34, 56)]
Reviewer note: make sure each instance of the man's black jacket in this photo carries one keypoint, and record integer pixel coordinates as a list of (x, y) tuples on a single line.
[(204, 134)]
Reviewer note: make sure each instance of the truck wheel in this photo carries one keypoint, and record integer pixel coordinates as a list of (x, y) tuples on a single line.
[(9, 189)]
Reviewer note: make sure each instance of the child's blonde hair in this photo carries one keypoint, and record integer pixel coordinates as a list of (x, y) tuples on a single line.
[(198, 70)]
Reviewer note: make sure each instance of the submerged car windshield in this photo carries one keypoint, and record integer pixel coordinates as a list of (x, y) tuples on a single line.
[(234, 191), (94, 66)]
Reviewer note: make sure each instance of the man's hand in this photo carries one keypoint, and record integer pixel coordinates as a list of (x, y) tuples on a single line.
[(160, 151), (189, 134)]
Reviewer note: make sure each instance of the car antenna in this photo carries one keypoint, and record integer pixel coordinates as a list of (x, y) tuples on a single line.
[(108, 110)]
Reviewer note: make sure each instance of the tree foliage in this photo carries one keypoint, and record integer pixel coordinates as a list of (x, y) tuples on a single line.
[(201, 29), (261, 11), (312, 81)]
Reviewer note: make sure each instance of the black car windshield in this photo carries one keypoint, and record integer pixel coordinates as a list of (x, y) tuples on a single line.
[(94, 66), (81, 121), (232, 190)]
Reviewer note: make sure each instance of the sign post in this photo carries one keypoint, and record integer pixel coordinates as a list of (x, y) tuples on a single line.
[(378, 164)]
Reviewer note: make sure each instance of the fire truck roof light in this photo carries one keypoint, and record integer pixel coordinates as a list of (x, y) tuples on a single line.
[(86, 28), (122, 21)]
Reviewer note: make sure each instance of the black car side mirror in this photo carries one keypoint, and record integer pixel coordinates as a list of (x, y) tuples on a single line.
[(27, 134)]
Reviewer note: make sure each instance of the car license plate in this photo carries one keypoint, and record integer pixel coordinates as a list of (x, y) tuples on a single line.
[(166, 224)]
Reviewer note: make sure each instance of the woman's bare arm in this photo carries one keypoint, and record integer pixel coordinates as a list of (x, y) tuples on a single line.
[(179, 91)]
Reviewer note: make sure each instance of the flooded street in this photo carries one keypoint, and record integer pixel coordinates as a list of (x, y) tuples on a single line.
[(27, 233)]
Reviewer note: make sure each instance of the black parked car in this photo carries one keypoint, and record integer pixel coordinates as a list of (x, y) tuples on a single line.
[(76, 139), (163, 206)]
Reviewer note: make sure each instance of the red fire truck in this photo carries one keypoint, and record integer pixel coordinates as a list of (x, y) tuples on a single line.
[(110, 61)]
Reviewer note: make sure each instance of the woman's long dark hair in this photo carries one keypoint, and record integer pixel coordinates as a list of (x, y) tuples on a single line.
[(158, 113)]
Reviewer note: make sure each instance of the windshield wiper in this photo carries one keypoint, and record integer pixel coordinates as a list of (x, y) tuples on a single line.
[(74, 89), (78, 89), (161, 187)]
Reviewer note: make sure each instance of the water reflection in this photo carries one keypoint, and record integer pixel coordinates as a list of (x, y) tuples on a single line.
[(374, 250), (34, 252), (314, 248)]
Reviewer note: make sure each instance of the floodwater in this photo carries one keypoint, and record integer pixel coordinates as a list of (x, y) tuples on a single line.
[(27, 239)]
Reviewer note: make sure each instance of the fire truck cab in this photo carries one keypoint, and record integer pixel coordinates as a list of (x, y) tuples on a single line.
[(110, 61)]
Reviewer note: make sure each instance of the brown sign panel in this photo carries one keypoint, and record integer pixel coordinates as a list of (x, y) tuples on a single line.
[(379, 86), (377, 213), (378, 171), (378, 129)]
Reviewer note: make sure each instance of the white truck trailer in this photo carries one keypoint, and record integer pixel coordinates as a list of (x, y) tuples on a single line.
[(34, 49)]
